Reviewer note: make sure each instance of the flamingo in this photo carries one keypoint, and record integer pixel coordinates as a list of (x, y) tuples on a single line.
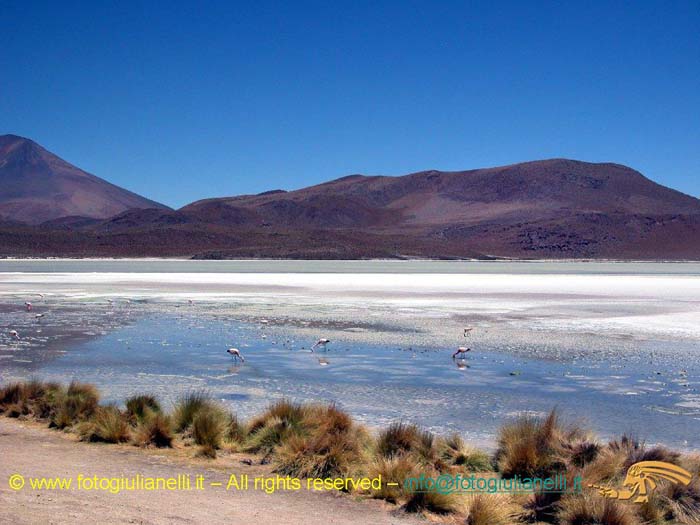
[(13, 333), (460, 351), (236, 354), (28, 306), (321, 342), (468, 331)]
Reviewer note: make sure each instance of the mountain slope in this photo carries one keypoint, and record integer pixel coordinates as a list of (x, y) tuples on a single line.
[(553, 208), (36, 186), (521, 192)]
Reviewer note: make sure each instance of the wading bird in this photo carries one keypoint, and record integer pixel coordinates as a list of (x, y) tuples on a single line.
[(468, 331), (236, 354), (320, 342), (13, 333), (462, 350), (28, 306)]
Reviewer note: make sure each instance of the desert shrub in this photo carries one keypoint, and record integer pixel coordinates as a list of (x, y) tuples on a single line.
[(188, 407), (591, 509), (140, 407), (330, 446), (107, 424), (77, 403), (455, 452), (155, 430)]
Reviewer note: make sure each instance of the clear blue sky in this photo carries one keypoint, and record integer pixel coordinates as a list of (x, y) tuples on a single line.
[(184, 100)]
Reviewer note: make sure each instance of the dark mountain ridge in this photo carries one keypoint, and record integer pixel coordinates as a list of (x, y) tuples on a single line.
[(555, 208)]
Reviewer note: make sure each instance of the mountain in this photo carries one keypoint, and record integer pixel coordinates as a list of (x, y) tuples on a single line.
[(36, 186), (554, 208), (523, 192)]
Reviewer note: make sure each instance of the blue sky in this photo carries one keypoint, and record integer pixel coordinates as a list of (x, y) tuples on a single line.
[(200, 99)]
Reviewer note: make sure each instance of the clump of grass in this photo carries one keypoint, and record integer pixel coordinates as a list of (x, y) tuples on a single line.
[(394, 469), (236, 431), (279, 422), (681, 503), (12, 399), (430, 501), (107, 424), (330, 446), (77, 403), (455, 452), (536, 447), (32, 398), (141, 407), (11, 395), (490, 509), (46, 405), (188, 407), (586, 508), (155, 430), (284, 410), (398, 438), (208, 428)]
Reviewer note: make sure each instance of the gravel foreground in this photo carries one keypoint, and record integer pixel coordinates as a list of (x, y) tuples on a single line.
[(30, 450)]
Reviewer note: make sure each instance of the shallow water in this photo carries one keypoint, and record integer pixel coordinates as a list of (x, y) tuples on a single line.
[(608, 349)]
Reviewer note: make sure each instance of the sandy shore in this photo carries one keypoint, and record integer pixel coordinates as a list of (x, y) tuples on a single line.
[(33, 451)]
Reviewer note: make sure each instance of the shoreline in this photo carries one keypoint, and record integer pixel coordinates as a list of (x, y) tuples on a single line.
[(493, 259)]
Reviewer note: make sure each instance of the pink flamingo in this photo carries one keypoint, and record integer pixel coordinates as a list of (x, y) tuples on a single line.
[(236, 354), (462, 350)]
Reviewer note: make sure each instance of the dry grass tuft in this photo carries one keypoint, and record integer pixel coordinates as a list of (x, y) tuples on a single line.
[(455, 452), (107, 425), (537, 447), (490, 509), (394, 469), (590, 509), (155, 430), (278, 423), (208, 427), (236, 432), (431, 502), (188, 407), (328, 445), (398, 438), (141, 407), (78, 403)]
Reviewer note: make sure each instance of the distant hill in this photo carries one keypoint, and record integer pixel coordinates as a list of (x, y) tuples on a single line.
[(36, 186), (555, 208), (529, 191)]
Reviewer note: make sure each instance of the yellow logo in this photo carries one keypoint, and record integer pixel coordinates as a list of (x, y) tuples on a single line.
[(642, 478)]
